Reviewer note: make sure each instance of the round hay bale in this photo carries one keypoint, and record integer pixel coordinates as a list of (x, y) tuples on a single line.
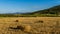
[(27, 28)]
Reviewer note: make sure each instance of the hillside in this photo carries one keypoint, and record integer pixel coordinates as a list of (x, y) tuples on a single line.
[(53, 11)]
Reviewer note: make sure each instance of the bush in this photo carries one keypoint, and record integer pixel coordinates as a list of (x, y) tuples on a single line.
[(40, 21), (25, 28)]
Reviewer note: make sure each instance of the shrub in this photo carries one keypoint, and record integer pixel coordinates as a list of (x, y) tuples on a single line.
[(17, 21), (25, 28), (17, 28), (40, 21)]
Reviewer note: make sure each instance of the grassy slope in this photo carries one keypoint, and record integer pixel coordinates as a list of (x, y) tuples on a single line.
[(53, 11)]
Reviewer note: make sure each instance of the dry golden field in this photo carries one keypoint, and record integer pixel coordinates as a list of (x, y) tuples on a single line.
[(29, 25)]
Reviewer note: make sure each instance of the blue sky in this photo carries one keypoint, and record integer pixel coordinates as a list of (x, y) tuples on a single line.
[(10, 6)]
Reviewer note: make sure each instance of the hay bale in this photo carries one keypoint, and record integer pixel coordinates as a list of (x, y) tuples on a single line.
[(27, 28)]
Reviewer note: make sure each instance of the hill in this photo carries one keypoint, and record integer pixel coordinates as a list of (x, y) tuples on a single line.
[(53, 11)]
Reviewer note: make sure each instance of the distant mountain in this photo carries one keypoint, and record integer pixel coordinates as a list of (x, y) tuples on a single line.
[(15, 13), (52, 10)]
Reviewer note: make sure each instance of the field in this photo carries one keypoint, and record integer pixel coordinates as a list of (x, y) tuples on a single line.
[(38, 25)]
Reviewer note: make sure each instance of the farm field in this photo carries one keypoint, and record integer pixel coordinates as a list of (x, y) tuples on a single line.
[(32, 25)]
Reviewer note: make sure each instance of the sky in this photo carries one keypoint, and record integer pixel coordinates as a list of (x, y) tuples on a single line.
[(11, 6)]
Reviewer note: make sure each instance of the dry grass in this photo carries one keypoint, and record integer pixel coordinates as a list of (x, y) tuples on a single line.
[(29, 25)]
